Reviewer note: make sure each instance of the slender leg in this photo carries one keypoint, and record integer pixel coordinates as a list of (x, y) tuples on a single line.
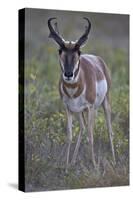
[(69, 135), (107, 112), (91, 116), (82, 127)]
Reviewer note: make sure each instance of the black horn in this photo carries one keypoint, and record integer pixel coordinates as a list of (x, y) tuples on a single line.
[(84, 37), (53, 34)]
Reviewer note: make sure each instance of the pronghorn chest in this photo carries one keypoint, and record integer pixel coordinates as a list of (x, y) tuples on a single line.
[(79, 103)]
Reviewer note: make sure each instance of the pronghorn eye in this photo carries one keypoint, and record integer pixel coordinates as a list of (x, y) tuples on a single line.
[(60, 51)]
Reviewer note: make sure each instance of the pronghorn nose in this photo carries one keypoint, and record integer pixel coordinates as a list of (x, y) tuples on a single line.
[(68, 74)]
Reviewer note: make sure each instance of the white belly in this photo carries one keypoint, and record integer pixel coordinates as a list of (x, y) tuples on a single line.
[(101, 90)]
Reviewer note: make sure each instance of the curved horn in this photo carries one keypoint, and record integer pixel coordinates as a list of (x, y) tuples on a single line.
[(84, 37), (53, 34)]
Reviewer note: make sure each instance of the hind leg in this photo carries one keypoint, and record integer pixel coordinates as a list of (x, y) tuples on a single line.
[(91, 120), (107, 112)]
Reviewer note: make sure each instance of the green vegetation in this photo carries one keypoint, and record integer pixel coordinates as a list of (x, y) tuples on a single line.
[(45, 127), (45, 118)]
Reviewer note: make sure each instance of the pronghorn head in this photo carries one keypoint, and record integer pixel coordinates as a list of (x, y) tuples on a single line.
[(69, 51)]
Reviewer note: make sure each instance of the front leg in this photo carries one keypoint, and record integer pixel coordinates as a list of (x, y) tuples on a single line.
[(82, 128), (69, 135)]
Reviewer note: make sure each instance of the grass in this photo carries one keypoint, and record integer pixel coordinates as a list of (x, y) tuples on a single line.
[(45, 127)]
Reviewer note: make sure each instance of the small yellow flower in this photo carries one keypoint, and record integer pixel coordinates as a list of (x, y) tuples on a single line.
[(32, 76)]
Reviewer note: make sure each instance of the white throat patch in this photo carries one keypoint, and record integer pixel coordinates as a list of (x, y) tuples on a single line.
[(71, 91)]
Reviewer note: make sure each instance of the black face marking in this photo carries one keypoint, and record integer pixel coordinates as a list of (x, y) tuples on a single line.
[(69, 64), (69, 58)]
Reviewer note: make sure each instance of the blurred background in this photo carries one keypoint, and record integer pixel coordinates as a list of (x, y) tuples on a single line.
[(45, 119)]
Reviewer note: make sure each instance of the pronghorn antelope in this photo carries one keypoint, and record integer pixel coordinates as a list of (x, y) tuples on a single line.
[(84, 87)]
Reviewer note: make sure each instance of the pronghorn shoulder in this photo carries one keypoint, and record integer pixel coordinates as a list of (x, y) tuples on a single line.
[(93, 65)]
